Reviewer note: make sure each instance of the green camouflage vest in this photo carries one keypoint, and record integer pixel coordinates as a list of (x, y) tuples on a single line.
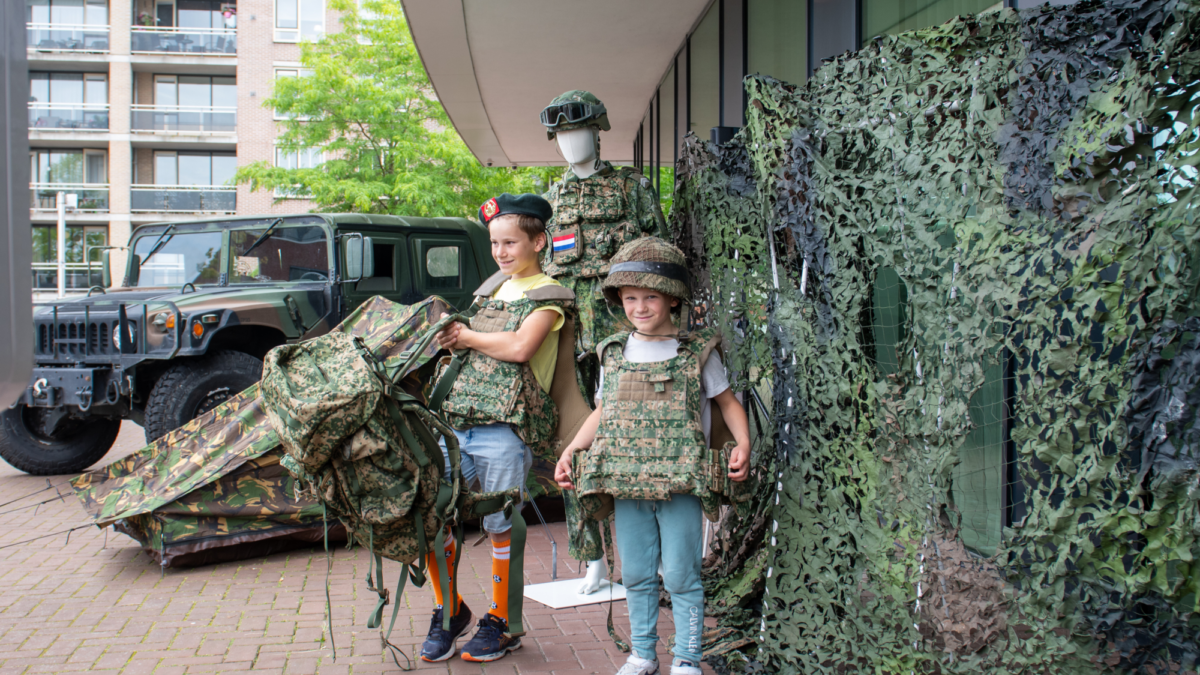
[(490, 391), (593, 217), (650, 443)]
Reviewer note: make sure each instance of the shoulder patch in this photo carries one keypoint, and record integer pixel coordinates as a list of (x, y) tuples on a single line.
[(551, 292), (491, 285)]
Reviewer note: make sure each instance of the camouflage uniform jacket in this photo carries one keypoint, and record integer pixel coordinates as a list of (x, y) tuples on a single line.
[(595, 216), (490, 391), (650, 443)]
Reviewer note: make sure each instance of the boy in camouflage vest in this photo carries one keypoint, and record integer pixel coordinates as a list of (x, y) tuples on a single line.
[(499, 405), (646, 446)]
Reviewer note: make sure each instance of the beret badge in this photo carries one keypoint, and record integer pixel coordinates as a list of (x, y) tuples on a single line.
[(490, 207)]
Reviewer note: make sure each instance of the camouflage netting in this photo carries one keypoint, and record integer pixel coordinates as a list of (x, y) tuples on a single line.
[(961, 267)]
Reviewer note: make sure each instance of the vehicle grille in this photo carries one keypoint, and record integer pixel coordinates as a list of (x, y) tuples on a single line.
[(74, 339)]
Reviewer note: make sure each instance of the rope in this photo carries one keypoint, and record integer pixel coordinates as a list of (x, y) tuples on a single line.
[(47, 536), (48, 487)]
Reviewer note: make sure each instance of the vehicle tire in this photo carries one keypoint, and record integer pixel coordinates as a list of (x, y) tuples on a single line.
[(190, 389), (76, 445)]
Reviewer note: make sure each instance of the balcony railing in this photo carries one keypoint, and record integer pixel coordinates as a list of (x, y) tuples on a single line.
[(92, 197), (78, 276), (184, 118), (191, 41), (183, 198), (75, 116), (67, 37)]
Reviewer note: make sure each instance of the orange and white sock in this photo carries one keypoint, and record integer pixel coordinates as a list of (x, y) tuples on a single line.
[(435, 576), (500, 556)]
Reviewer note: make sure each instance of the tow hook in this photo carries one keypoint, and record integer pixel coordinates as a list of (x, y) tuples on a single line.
[(39, 388)]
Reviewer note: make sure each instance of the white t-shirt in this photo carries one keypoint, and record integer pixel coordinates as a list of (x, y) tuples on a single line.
[(712, 381)]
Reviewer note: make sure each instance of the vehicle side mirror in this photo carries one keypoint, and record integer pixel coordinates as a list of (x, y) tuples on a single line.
[(135, 269), (360, 259), (105, 269)]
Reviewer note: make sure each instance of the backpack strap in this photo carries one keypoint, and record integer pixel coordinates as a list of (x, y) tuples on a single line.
[(551, 292), (491, 285)]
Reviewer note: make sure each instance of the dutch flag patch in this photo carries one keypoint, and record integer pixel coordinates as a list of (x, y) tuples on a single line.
[(564, 242)]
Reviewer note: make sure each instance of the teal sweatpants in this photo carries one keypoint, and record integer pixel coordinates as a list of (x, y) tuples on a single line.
[(671, 531)]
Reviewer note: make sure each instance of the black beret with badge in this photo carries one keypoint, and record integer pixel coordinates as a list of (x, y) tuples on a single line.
[(505, 204)]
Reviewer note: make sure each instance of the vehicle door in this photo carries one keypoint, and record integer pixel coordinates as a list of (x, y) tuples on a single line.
[(389, 277)]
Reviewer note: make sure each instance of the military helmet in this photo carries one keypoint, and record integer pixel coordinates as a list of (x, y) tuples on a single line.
[(651, 263), (574, 110)]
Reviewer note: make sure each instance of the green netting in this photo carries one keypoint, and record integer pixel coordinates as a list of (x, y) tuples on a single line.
[(960, 269)]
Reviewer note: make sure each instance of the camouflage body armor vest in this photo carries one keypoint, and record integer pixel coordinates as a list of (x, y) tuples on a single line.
[(593, 218), (650, 443), (490, 391)]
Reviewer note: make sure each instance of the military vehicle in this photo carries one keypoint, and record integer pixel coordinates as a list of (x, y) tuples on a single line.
[(201, 303)]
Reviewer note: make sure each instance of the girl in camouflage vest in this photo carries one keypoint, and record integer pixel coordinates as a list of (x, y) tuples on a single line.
[(645, 445), (499, 404)]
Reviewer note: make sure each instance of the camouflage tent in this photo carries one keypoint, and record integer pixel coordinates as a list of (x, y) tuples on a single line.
[(213, 490)]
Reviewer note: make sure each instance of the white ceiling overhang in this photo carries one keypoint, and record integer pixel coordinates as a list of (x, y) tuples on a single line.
[(495, 65)]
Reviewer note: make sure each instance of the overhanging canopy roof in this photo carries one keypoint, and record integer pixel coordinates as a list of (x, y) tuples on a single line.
[(495, 65)]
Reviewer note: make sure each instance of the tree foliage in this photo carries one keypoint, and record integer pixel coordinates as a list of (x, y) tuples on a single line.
[(389, 147)]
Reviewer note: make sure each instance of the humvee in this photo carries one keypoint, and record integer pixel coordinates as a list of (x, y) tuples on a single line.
[(200, 304)]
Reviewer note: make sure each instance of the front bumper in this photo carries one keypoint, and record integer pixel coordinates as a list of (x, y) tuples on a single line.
[(80, 387)]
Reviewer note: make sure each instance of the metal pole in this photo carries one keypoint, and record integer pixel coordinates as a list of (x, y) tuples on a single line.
[(62, 244)]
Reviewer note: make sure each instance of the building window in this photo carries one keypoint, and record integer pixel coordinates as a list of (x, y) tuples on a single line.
[(67, 12), (72, 171), (199, 168), (195, 91), (704, 87), (308, 158), (888, 17), (81, 243), (297, 20), (68, 100), (291, 72), (777, 39)]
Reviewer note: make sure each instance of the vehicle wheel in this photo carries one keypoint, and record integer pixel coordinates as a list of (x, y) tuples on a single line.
[(74, 445), (190, 389)]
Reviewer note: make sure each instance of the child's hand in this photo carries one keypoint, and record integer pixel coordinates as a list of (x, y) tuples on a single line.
[(562, 470), (739, 463), (448, 338)]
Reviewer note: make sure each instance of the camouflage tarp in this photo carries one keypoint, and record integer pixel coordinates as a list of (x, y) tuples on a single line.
[(216, 481)]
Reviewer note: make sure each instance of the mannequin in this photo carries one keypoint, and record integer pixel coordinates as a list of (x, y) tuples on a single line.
[(580, 147), (597, 209)]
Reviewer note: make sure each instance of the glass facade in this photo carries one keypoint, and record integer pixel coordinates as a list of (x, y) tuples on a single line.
[(68, 101), (887, 17), (704, 74), (83, 173), (67, 25), (777, 39)]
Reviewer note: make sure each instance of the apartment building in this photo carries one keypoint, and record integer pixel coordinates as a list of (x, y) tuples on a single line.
[(141, 111)]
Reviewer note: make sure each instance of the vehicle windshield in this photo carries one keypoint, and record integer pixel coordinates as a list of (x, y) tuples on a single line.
[(289, 254), (191, 257)]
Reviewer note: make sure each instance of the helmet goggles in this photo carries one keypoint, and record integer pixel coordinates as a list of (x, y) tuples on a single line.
[(572, 112)]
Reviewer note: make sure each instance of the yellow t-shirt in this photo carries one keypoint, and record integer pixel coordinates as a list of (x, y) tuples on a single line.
[(544, 359)]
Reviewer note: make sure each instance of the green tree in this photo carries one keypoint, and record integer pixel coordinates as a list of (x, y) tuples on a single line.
[(366, 100)]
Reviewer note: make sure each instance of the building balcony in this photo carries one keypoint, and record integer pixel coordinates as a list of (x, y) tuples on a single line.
[(183, 199), (68, 116), (89, 197), (184, 118), (184, 41), (64, 37), (79, 277)]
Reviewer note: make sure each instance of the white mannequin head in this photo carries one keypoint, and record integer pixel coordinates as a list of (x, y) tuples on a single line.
[(580, 148)]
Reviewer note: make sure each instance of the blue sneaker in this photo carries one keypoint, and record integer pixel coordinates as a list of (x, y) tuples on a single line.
[(490, 642), (440, 644)]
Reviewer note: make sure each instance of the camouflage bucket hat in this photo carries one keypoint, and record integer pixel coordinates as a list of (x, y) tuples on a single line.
[(574, 109), (649, 262)]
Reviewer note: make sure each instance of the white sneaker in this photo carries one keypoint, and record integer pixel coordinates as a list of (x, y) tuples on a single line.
[(636, 665), (681, 667)]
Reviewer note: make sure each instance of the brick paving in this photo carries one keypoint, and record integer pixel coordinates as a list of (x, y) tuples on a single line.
[(95, 603)]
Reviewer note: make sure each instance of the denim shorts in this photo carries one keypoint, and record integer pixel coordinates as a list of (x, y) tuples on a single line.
[(496, 456)]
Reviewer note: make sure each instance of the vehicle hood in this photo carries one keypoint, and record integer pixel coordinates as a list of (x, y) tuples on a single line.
[(202, 297)]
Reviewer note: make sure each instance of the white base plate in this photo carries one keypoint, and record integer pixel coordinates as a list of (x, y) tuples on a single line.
[(562, 594)]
